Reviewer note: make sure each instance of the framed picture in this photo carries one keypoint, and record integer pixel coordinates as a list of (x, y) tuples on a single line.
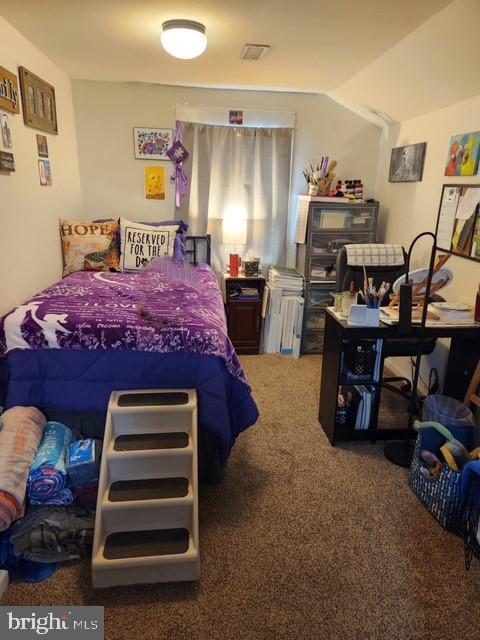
[(463, 154), (154, 183), (38, 102), (42, 146), (7, 161), (6, 131), (45, 173), (9, 91), (458, 222), (406, 163), (235, 117), (152, 144)]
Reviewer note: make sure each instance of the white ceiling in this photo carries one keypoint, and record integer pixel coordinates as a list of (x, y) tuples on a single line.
[(396, 58), (315, 45)]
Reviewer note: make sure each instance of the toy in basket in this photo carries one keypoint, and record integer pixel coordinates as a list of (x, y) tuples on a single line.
[(444, 448)]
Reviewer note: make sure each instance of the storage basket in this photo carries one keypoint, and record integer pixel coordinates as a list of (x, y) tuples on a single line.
[(440, 495), (343, 416), (359, 357)]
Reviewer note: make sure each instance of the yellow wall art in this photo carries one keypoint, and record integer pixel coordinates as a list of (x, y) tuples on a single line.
[(154, 183)]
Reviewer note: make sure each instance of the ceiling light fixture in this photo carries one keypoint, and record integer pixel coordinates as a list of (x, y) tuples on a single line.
[(184, 39)]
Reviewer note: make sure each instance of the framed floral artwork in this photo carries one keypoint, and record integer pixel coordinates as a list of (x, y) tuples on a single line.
[(152, 144)]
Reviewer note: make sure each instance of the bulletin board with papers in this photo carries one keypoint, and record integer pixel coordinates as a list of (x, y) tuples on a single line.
[(458, 223)]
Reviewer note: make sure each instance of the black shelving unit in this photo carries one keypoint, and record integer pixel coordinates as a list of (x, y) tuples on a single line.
[(461, 364)]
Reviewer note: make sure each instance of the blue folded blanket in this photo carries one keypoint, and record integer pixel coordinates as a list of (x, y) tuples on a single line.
[(48, 482)]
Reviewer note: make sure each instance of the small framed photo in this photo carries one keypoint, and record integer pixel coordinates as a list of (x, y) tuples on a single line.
[(45, 173), (235, 117), (406, 163), (152, 144), (42, 146), (6, 131), (7, 161)]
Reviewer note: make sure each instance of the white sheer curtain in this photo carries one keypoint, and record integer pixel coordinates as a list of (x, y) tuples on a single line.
[(235, 173)]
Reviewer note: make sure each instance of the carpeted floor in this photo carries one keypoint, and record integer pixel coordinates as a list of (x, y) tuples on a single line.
[(300, 541)]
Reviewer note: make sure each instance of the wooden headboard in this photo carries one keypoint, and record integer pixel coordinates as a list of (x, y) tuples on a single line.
[(198, 249)]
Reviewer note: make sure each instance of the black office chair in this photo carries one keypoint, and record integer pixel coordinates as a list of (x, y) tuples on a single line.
[(350, 261)]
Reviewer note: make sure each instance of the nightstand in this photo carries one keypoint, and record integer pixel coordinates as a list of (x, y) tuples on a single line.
[(243, 305)]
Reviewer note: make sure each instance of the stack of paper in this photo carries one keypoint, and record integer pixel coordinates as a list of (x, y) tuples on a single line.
[(283, 312), (452, 312), (287, 279)]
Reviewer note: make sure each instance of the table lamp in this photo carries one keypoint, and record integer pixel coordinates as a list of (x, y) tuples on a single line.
[(234, 233)]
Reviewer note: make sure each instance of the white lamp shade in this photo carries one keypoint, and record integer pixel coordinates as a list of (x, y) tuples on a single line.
[(235, 226), (184, 39)]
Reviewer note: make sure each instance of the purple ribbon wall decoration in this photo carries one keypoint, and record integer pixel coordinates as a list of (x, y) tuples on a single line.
[(177, 153)]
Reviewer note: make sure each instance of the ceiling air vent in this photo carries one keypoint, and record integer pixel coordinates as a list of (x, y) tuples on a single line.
[(254, 52)]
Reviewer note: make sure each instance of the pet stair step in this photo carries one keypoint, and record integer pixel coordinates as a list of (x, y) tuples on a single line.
[(146, 527), (148, 489), (170, 513), (155, 411), (152, 398), (139, 544), (152, 463), (148, 441), (120, 568)]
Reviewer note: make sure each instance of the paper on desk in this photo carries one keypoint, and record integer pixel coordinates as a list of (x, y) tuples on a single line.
[(446, 220), (467, 204)]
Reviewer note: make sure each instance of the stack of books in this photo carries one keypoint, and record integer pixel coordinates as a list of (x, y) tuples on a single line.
[(361, 406), (452, 312), (283, 312), (248, 293)]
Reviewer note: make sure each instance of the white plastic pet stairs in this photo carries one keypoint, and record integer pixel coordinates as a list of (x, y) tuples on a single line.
[(146, 527)]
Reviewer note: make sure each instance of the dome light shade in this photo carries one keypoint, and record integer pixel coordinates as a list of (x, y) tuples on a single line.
[(184, 39)]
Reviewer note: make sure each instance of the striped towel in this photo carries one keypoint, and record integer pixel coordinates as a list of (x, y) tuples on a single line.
[(19, 439), (48, 482), (374, 255)]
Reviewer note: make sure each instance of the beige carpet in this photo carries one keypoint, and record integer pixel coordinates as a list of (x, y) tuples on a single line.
[(301, 541)]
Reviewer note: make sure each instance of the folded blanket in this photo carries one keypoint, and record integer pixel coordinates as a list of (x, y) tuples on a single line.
[(48, 482), (54, 534), (19, 568), (21, 433)]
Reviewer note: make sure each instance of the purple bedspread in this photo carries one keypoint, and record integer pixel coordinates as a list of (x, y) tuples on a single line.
[(171, 306)]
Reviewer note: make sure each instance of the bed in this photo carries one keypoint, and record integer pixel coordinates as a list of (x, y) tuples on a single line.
[(65, 350)]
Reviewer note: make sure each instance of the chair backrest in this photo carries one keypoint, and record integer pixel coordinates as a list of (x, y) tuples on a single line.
[(472, 396), (347, 273)]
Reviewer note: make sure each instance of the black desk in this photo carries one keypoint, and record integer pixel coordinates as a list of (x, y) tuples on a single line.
[(463, 358)]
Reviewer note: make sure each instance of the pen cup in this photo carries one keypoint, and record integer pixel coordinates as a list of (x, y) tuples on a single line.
[(372, 317), (337, 301), (347, 300)]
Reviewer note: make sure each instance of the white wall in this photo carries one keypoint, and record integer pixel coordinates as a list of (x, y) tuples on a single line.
[(30, 252), (112, 180), (410, 208)]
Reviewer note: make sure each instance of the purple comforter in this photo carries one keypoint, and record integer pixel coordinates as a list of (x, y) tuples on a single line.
[(168, 307)]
